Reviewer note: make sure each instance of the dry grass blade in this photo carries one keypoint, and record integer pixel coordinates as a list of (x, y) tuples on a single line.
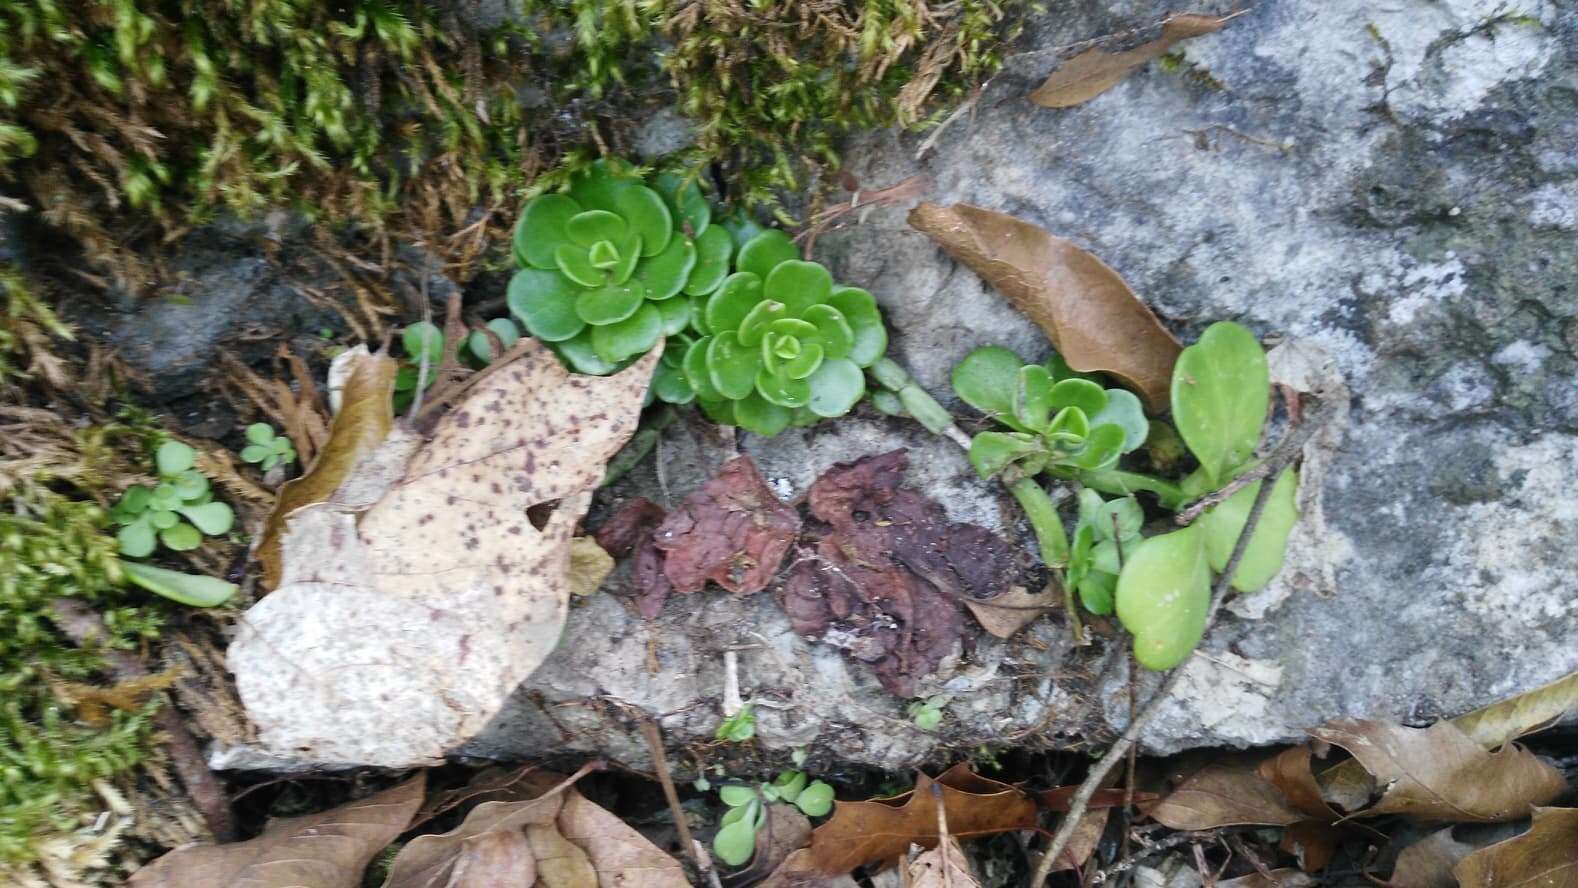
[(1544, 857), (1095, 71)]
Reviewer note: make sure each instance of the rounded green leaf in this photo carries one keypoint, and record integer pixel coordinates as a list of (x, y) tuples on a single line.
[(789, 785), (574, 262), (832, 331), (173, 457), (190, 484), (798, 285), (676, 315), (991, 452), (793, 328), (648, 216), (735, 843), (685, 202), (695, 366), (756, 414), (162, 519), (664, 275), (1263, 557), (592, 226), (211, 518), (1061, 370), (732, 366), (1070, 424), (599, 185), (541, 229), (1097, 591), (1163, 594), (134, 500), (629, 257), (544, 301), (757, 321), (603, 254), (741, 227), (629, 337), (815, 800), (482, 347), (836, 387), (714, 248), (807, 362), (181, 537), (670, 385), (1089, 397), (677, 347), (193, 590), (986, 380), (1124, 411), (737, 796), (577, 351), (762, 253), (423, 337), (859, 309), (779, 389), (1102, 448), (734, 299), (260, 433), (1221, 389), (610, 304), (770, 353), (136, 539), (1032, 396), (720, 411)]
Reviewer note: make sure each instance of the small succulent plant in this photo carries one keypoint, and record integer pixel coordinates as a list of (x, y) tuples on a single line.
[(738, 727), (735, 842), (419, 339), (266, 447), (1105, 533), (176, 512), (1059, 418), (927, 714)]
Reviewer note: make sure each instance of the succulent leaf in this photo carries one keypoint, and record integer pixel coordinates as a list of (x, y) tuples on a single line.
[(714, 248), (763, 252), (859, 309), (545, 303)]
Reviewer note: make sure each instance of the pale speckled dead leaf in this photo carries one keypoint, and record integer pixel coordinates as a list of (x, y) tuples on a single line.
[(622, 857), (396, 637), (589, 566), (430, 861), (325, 850), (495, 860), (1440, 773), (944, 865), (1004, 615), (1428, 862), (1095, 71), (360, 426), (1509, 719), (1092, 317), (1544, 857), (560, 862)]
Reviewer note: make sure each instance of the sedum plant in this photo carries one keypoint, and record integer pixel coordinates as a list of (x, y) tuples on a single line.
[(176, 512), (735, 842), (267, 447)]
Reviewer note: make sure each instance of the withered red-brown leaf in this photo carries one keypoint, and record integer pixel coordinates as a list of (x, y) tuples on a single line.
[(733, 531), (630, 530), (1228, 792), (1095, 71), (1092, 317), (1428, 863), (1544, 857), (881, 830)]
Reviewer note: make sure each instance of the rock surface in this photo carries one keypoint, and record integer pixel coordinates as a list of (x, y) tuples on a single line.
[(1396, 185)]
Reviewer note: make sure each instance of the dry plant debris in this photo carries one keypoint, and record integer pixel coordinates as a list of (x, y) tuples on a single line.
[(443, 596), (1095, 71)]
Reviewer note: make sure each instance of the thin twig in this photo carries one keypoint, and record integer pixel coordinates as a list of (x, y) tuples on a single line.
[(697, 854), (942, 834), (427, 318), (1279, 457)]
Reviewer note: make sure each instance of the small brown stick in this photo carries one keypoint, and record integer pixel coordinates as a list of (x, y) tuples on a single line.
[(654, 738), (942, 834), (1280, 456), (908, 189), (84, 626)]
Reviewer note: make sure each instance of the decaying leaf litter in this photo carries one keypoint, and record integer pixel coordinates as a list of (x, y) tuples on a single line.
[(366, 616)]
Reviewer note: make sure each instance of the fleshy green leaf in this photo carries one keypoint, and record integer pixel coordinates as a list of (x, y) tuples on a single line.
[(423, 337), (541, 229), (162, 519), (685, 202), (670, 385), (1032, 396), (789, 785), (648, 216), (677, 347), (781, 390), (190, 484), (134, 500), (181, 537), (832, 331), (173, 457), (696, 372), (603, 254), (720, 411), (735, 843), (629, 337), (732, 366), (762, 253), (676, 315), (756, 414), (193, 590), (1263, 558), (1070, 424), (859, 309), (815, 800), (728, 307), (136, 539), (756, 323), (582, 357), (544, 301), (1220, 391), (807, 362), (629, 258), (664, 275), (260, 433), (986, 380), (798, 285), (592, 226), (576, 265), (737, 796), (1082, 393), (610, 304), (836, 387), (1096, 592), (211, 518), (741, 227), (991, 452), (1124, 411), (598, 186), (482, 348), (1163, 594), (1102, 448), (713, 250)]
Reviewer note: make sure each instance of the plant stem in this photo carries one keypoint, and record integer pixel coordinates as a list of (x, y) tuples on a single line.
[(1052, 539), (1121, 483)]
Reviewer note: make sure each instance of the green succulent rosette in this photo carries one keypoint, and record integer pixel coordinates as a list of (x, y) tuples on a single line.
[(612, 264), (780, 343)]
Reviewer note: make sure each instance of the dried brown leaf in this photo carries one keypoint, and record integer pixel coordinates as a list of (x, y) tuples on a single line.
[(1277, 878), (786, 832), (1004, 615), (733, 531), (1095, 71), (1092, 317), (1312, 843), (1290, 772), (623, 530), (589, 566), (1498, 723), (944, 866), (366, 414), (1544, 857), (325, 850), (621, 857), (500, 859), (881, 830), (560, 862), (1428, 863), (1440, 773), (443, 596), (1229, 792), (431, 861), (799, 871)]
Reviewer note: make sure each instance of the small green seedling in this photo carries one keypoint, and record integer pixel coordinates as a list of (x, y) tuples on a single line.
[(927, 713), (735, 842), (419, 339), (1106, 531), (267, 447), (738, 727), (176, 512)]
